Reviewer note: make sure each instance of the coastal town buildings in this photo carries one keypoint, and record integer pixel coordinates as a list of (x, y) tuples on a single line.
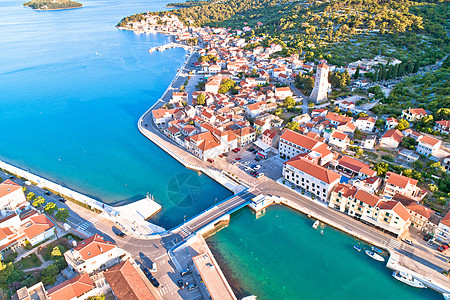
[(391, 139), (413, 114), (443, 230), (389, 216), (310, 177), (442, 126), (395, 183), (428, 146), (94, 254)]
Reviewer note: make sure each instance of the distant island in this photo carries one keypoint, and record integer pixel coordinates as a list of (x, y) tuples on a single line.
[(52, 4)]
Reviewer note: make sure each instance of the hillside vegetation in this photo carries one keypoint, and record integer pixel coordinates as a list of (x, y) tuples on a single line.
[(340, 31), (52, 4)]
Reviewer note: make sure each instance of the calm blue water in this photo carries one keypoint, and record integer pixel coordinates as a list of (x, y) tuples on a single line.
[(72, 88), (280, 256)]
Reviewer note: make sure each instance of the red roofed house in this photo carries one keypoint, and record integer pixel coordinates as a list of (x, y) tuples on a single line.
[(293, 143), (127, 284), (283, 92), (339, 139), (336, 119), (395, 183), (443, 230), (391, 139), (354, 168), (162, 116), (245, 135), (389, 216), (179, 97), (442, 126), (72, 288), (94, 253), (413, 114), (38, 229), (391, 123), (366, 124), (311, 177), (428, 146), (213, 84), (271, 138), (12, 196)]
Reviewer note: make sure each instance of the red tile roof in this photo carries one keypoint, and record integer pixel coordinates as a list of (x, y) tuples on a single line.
[(399, 180), (300, 139), (39, 224), (313, 170), (7, 187), (367, 198), (126, 283), (446, 220), (429, 140), (93, 246), (72, 288), (395, 206), (395, 134)]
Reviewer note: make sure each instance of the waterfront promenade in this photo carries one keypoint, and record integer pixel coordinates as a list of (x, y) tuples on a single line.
[(413, 258)]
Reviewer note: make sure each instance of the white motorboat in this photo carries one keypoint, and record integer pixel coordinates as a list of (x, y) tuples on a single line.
[(374, 255), (408, 279), (316, 223)]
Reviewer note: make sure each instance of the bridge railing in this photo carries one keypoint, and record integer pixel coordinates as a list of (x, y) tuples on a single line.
[(209, 209)]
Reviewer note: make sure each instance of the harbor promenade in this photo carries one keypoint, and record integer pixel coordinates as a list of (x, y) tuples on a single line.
[(413, 258)]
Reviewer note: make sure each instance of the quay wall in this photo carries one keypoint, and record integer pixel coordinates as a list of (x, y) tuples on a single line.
[(53, 186)]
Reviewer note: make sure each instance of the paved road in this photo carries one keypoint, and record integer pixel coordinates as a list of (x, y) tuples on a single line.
[(299, 94)]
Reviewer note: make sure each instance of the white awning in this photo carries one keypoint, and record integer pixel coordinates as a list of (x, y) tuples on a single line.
[(261, 145)]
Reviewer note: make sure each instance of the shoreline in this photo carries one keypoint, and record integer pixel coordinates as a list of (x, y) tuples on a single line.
[(53, 9)]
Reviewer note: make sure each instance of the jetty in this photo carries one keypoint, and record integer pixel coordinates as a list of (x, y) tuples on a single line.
[(169, 46)]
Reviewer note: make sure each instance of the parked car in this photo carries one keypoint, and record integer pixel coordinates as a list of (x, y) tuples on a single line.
[(443, 247), (119, 233), (237, 149), (430, 242), (427, 237), (253, 172), (260, 175), (153, 281), (48, 193), (192, 287), (409, 242), (246, 163), (257, 167), (210, 160), (61, 199), (186, 272), (238, 158), (225, 154), (247, 168), (180, 283)]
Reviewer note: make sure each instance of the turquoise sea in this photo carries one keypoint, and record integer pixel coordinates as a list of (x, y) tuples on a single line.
[(280, 256), (72, 88)]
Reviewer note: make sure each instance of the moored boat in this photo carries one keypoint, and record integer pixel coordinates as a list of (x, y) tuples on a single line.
[(316, 223), (374, 255), (358, 248), (375, 249), (408, 279)]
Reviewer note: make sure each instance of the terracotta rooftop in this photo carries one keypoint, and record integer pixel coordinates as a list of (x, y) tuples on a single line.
[(446, 219), (93, 246), (429, 140), (313, 170), (395, 206), (367, 198), (126, 283), (393, 133), (71, 288), (39, 224), (300, 139), (399, 180), (7, 187)]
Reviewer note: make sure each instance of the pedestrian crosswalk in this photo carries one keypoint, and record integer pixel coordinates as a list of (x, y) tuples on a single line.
[(184, 232), (166, 288), (86, 224), (395, 244)]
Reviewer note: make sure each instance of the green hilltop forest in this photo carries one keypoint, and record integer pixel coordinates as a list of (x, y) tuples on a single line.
[(52, 4), (340, 31)]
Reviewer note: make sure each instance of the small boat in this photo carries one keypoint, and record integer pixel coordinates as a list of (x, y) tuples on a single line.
[(408, 279), (374, 255), (375, 249), (316, 223), (446, 296), (358, 248)]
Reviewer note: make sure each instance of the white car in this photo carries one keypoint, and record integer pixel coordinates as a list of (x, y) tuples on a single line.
[(257, 167), (246, 163), (260, 175), (247, 168)]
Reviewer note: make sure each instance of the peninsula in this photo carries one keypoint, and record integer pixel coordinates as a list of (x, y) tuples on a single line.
[(52, 4)]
